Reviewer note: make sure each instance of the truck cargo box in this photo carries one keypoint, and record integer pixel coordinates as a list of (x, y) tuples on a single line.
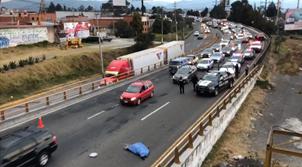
[(172, 50)]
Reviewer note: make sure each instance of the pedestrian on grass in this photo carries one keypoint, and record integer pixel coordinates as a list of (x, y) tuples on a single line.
[(194, 80), (181, 84)]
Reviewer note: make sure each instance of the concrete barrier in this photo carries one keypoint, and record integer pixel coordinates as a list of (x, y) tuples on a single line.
[(202, 145)]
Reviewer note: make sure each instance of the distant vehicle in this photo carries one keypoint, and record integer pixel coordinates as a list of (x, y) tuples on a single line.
[(249, 54), (260, 37), (107, 38), (237, 57), (239, 36), (137, 92), (206, 53), (217, 57), (224, 43), (138, 149), (175, 64), (205, 64), (228, 67), (196, 33), (227, 51), (214, 82), (26, 147), (185, 72), (216, 47), (200, 37), (193, 59), (256, 45), (207, 30)]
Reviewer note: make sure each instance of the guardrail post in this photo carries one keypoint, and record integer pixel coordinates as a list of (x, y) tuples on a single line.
[(161, 64), (201, 129), (154, 66), (92, 86), (190, 144), (47, 101), (210, 120), (142, 70), (176, 156), (2, 115), (65, 95), (148, 68), (80, 90), (26, 107)]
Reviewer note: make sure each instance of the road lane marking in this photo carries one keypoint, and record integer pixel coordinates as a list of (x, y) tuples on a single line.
[(95, 115), (153, 112)]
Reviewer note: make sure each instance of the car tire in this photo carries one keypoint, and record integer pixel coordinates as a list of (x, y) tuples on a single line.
[(216, 92), (138, 101), (43, 159)]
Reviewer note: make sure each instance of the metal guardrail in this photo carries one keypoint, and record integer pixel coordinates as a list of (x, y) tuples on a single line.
[(185, 141), (43, 102)]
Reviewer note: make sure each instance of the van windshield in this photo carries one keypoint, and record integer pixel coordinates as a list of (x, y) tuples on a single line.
[(109, 75), (174, 62)]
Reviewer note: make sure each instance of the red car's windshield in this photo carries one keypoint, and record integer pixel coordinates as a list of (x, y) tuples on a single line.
[(134, 89)]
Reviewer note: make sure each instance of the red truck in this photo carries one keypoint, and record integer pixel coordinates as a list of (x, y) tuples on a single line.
[(117, 70)]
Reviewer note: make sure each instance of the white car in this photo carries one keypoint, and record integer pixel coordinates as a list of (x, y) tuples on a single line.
[(196, 33), (193, 59), (217, 57), (205, 64), (224, 43), (207, 30), (228, 67), (256, 45)]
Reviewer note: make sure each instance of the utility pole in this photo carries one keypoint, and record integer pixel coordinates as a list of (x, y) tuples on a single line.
[(142, 7), (100, 43), (265, 5), (41, 10), (162, 26), (176, 35), (278, 13), (298, 5)]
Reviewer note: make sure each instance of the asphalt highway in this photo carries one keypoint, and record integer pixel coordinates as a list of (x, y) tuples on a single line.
[(102, 125)]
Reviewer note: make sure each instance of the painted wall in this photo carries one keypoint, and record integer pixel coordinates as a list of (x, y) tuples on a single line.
[(18, 36)]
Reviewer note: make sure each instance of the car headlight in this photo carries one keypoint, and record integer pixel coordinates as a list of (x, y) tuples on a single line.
[(212, 88), (177, 66), (185, 78), (133, 98), (121, 97), (173, 77)]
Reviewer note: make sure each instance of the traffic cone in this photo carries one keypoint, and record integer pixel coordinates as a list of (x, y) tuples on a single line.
[(40, 123)]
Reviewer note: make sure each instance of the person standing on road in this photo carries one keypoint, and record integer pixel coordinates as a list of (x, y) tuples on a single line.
[(247, 69), (194, 80), (181, 84), (236, 70)]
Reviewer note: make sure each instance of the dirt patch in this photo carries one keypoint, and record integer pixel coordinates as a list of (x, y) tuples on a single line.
[(230, 146)]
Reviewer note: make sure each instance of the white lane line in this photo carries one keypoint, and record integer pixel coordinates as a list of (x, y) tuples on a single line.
[(153, 112), (95, 115)]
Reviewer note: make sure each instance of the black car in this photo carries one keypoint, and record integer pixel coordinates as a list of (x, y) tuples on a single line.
[(27, 147), (212, 83), (185, 72)]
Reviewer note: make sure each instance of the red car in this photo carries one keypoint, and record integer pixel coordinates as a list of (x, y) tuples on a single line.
[(137, 92)]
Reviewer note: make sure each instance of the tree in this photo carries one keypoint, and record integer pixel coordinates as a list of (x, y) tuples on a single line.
[(271, 10), (167, 26), (123, 30), (64, 8), (89, 8), (81, 8), (143, 41), (218, 12), (137, 24), (204, 12), (59, 7), (242, 12), (51, 7)]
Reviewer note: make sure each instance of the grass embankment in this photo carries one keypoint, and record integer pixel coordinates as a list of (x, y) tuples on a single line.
[(57, 70), (172, 36)]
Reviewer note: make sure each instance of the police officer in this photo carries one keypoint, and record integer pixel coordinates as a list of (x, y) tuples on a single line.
[(181, 84), (194, 80), (236, 70)]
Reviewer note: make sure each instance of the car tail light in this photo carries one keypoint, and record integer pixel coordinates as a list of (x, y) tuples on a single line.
[(54, 139)]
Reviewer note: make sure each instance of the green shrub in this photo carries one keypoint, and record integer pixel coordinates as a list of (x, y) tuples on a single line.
[(31, 61), (43, 57), (5, 67), (12, 65), (22, 63), (1, 70), (37, 60)]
